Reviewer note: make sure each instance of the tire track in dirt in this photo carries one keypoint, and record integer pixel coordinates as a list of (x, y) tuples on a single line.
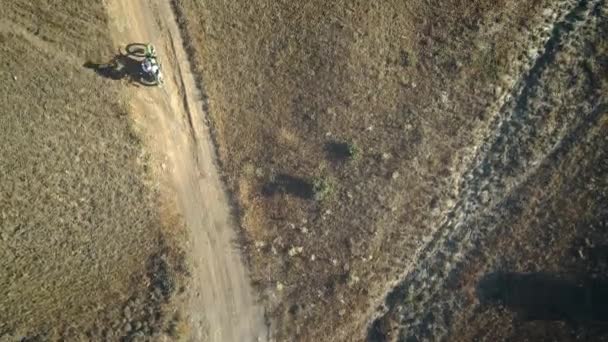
[(221, 305), (9, 26), (520, 140)]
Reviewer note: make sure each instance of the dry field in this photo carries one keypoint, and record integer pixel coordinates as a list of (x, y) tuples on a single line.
[(523, 255), (401, 170), (83, 255), (391, 148)]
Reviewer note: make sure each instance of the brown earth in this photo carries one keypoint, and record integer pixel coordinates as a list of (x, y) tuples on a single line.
[(401, 171), (372, 146), (93, 226), (84, 251), (219, 303), (521, 256)]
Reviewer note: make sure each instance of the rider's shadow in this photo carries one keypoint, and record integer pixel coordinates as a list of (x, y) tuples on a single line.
[(123, 66)]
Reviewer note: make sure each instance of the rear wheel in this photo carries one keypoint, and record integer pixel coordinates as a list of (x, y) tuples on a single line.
[(136, 49)]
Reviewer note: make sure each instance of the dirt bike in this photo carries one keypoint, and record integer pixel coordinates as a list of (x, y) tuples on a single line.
[(151, 67)]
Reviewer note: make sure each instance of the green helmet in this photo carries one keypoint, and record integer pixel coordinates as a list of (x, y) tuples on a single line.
[(150, 51)]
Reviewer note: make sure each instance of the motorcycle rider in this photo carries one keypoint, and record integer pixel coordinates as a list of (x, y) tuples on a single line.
[(150, 66), (150, 51)]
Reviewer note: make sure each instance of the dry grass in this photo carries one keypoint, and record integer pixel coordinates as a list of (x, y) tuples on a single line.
[(79, 27), (79, 225), (561, 229), (410, 82), (415, 85)]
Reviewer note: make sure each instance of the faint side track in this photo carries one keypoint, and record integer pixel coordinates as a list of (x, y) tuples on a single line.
[(520, 140), (9, 26)]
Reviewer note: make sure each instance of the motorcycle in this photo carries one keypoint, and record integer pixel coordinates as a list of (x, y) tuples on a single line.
[(151, 67)]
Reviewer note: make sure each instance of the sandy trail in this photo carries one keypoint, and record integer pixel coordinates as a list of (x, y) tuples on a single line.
[(222, 307)]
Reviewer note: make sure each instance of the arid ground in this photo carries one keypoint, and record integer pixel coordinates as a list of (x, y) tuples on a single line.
[(309, 171), (388, 158), (115, 225), (85, 251)]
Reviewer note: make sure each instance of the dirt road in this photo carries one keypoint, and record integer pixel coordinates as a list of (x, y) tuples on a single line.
[(222, 307)]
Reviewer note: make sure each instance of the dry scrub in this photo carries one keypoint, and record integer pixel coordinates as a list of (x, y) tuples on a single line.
[(82, 253), (413, 84)]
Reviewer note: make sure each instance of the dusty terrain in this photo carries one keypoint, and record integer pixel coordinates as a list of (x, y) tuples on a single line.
[(396, 171), (93, 227), (83, 251), (531, 213), (220, 302), (387, 156)]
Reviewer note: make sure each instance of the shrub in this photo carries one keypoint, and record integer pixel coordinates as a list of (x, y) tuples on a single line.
[(408, 58), (321, 188), (352, 150), (340, 150)]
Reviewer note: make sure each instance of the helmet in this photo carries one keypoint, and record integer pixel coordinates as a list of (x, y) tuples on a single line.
[(150, 50)]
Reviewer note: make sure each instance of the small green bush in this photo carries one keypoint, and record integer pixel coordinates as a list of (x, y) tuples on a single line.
[(408, 58), (352, 150), (321, 188), (341, 150)]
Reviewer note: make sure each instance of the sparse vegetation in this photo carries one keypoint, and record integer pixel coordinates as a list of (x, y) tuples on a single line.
[(353, 151), (417, 84), (321, 188), (408, 57), (178, 328), (343, 150), (78, 215), (480, 127)]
